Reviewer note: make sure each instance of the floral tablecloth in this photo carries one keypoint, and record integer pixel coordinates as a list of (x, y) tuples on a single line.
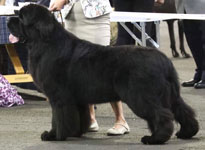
[(8, 95)]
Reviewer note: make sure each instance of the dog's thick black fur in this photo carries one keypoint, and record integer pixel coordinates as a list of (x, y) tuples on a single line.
[(74, 73)]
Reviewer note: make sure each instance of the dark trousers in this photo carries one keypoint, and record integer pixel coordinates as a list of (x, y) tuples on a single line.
[(195, 35), (131, 6)]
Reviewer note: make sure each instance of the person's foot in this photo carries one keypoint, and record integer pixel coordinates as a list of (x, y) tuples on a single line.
[(119, 129), (200, 84), (94, 127), (190, 83)]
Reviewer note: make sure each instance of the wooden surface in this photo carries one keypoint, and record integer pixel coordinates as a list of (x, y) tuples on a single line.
[(20, 76)]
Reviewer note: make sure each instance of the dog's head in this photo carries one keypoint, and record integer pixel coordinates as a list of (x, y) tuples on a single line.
[(33, 22)]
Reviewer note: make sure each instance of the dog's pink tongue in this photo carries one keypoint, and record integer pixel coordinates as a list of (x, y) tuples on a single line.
[(13, 39)]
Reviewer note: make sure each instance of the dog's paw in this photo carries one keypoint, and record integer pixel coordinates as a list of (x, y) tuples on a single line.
[(146, 140), (46, 136), (181, 135), (151, 140)]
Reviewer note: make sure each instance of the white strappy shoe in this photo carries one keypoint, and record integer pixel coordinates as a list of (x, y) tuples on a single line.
[(124, 129), (93, 127)]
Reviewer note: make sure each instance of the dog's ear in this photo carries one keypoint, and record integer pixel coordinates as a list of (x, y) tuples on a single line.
[(38, 17), (45, 27), (27, 15)]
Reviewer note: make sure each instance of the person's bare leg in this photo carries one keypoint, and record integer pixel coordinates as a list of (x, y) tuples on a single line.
[(120, 127), (93, 122), (118, 110), (92, 113)]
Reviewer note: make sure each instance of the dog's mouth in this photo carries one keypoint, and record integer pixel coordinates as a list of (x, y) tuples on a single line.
[(13, 39)]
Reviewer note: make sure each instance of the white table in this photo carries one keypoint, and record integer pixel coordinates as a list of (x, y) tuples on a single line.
[(142, 18)]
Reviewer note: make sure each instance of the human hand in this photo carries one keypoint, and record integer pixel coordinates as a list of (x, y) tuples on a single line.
[(58, 5)]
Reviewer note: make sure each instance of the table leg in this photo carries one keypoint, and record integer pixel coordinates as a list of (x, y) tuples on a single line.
[(143, 37), (14, 59), (131, 33), (20, 76)]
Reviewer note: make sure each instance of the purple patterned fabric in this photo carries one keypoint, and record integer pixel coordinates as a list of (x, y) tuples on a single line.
[(8, 95)]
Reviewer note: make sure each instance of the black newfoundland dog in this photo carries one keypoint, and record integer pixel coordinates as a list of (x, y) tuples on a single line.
[(74, 73)]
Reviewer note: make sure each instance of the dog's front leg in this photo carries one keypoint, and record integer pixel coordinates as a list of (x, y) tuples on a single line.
[(66, 122), (59, 131), (51, 135)]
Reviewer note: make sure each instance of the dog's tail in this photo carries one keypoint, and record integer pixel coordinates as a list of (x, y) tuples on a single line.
[(183, 113)]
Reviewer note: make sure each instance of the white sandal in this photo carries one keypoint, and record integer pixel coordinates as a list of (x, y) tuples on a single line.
[(119, 131), (93, 127)]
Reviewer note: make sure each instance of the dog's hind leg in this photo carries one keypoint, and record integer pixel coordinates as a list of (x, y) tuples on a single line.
[(170, 24), (160, 122), (161, 126), (181, 39), (185, 115)]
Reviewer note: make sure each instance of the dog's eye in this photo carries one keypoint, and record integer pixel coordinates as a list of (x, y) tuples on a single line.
[(21, 17), (16, 12)]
